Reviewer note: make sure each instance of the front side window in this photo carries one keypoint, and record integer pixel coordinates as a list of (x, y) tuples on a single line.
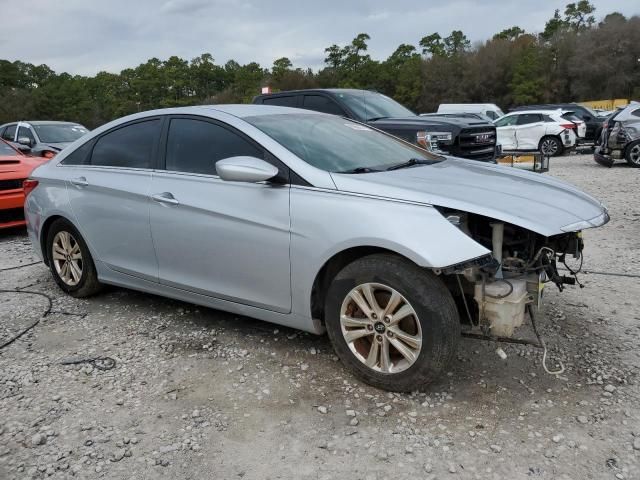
[(319, 103), (506, 121), (335, 144), (130, 146), (9, 133), (24, 132), (194, 146)]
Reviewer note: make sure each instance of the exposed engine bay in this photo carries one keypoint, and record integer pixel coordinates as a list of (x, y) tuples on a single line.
[(494, 293)]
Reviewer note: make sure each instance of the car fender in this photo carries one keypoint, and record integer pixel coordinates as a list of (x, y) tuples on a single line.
[(325, 223)]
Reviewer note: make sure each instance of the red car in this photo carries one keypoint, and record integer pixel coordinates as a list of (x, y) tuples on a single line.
[(15, 167)]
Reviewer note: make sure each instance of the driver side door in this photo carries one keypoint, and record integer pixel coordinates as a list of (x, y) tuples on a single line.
[(505, 131), (229, 240)]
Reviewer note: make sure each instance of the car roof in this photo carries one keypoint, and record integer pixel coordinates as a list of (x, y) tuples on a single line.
[(48, 122), (40, 122), (541, 110), (317, 90), (248, 110)]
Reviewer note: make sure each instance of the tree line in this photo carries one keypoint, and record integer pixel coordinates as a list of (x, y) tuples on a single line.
[(574, 58)]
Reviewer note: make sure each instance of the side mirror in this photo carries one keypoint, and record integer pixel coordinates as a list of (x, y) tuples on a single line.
[(245, 169), (24, 141)]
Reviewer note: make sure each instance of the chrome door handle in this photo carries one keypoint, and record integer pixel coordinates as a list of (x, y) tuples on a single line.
[(165, 197), (79, 182)]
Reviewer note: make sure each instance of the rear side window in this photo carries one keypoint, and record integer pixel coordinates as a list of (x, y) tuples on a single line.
[(636, 113), (130, 146), (319, 103), (80, 155), (527, 118), (288, 101), (9, 133), (194, 146), (548, 119)]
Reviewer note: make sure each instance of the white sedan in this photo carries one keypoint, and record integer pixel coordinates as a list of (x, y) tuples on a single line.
[(542, 130)]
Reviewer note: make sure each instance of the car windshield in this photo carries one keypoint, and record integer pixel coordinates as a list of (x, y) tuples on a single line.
[(7, 150), (369, 106), (59, 133), (335, 144), (591, 112)]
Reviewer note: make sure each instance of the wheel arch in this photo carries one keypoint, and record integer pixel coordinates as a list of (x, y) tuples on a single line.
[(44, 233), (333, 266)]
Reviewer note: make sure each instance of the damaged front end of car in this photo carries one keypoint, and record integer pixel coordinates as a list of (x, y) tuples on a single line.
[(493, 292)]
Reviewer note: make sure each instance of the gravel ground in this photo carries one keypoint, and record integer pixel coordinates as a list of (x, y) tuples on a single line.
[(199, 393)]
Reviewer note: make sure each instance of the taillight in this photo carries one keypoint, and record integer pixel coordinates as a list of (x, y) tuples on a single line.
[(568, 125), (29, 185)]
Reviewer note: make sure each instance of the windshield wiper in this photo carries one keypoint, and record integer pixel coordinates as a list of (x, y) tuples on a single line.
[(413, 161), (360, 170)]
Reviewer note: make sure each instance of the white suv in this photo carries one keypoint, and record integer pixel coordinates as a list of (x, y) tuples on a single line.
[(542, 130)]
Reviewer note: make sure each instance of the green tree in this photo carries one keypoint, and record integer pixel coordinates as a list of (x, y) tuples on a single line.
[(509, 33), (432, 45), (578, 16)]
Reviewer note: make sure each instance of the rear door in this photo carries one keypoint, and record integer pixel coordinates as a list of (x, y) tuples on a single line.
[(229, 240), (108, 190), (529, 130)]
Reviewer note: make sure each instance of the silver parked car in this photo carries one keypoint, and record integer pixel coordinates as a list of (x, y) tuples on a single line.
[(310, 221)]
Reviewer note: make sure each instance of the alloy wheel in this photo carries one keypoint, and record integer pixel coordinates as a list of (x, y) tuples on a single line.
[(634, 154), (549, 147), (381, 328), (67, 258)]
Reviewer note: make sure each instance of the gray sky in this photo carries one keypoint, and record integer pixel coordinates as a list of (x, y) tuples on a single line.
[(87, 36)]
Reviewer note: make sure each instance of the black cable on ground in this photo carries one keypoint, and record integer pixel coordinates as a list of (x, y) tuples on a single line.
[(611, 274), (46, 312), (101, 363), (20, 266)]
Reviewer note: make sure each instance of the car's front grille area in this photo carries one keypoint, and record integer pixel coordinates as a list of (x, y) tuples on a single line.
[(15, 184), (11, 215), (475, 143)]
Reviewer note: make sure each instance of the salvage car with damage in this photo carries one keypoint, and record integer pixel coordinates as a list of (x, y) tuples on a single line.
[(312, 221), (620, 138)]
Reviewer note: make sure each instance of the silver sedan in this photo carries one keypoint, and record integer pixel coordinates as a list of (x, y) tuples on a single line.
[(310, 221)]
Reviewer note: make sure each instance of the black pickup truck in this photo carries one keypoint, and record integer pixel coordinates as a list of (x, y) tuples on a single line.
[(470, 138)]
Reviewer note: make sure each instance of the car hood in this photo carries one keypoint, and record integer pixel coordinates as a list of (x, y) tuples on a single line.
[(56, 145), (533, 201), (18, 166), (420, 122)]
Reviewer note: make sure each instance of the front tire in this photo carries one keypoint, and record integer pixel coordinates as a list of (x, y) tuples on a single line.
[(70, 261), (393, 324), (551, 146), (632, 154)]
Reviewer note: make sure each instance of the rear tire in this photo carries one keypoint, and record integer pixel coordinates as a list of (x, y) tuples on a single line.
[(413, 336), (632, 154), (70, 261), (551, 146)]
